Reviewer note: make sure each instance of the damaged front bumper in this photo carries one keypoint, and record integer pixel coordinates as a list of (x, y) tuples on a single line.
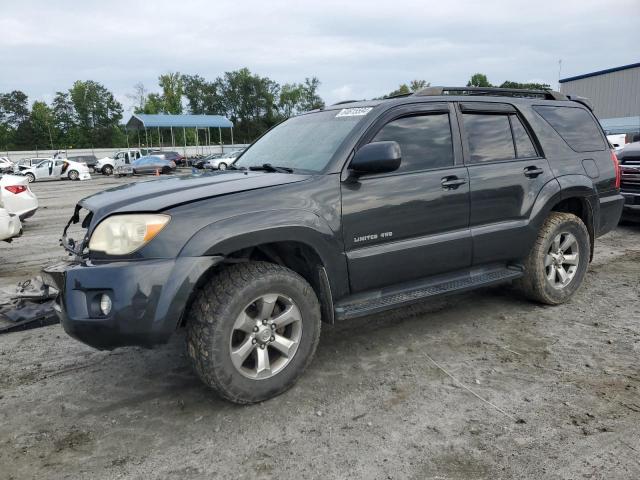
[(148, 298)]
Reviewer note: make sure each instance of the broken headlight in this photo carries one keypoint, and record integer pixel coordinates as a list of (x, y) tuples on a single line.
[(124, 234)]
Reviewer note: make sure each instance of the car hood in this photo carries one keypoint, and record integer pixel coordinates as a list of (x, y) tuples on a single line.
[(158, 195)]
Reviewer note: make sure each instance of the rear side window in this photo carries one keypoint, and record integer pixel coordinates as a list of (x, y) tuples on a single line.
[(524, 145), (575, 125), (425, 141), (489, 137)]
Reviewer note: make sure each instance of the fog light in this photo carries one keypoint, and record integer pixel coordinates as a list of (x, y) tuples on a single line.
[(105, 304)]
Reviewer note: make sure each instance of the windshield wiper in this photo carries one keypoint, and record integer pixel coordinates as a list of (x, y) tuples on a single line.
[(267, 167)]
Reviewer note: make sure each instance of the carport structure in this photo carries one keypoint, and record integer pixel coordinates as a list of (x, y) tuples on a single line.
[(140, 121)]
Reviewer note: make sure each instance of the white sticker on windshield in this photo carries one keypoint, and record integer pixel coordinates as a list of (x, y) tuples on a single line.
[(354, 112)]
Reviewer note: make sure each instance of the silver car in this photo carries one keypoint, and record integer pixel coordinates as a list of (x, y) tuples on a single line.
[(221, 163)]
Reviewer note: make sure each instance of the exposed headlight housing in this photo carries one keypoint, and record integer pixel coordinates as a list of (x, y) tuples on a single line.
[(124, 234)]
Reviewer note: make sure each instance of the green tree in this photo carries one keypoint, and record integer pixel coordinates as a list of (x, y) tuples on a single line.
[(310, 100), (14, 109), (529, 86), (97, 113), (479, 80), (412, 87), (172, 87), (42, 125), (64, 120)]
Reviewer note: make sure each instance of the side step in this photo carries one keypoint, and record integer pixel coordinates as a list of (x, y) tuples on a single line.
[(371, 302)]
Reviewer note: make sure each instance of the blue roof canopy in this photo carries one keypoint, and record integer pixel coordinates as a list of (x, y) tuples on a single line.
[(144, 120)]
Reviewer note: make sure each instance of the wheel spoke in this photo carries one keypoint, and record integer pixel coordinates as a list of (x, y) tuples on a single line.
[(551, 275), (245, 323), (289, 315), (263, 365), (548, 260), (569, 240), (266, 305), (571, 259), (556, 243), (283, 344), (563, 274), (239, 355)]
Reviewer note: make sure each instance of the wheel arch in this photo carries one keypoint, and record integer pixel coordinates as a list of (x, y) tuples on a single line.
[(569, 194), (294, 238)]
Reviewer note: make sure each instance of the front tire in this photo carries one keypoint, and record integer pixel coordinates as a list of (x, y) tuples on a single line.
[(558, 261), (30, 177), (107, 170), (222, 166), (252, 330)]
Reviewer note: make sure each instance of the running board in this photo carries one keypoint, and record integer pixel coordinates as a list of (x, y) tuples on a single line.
[(376, 301)]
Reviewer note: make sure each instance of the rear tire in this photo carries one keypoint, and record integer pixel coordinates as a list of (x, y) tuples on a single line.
[(74, 175), (558, 261), (224, 317)]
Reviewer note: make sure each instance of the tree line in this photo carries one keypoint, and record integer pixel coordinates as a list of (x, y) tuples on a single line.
[(88, 115)]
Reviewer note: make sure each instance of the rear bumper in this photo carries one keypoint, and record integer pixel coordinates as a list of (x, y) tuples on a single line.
[(631, 208), (148, 298), (610, 212)]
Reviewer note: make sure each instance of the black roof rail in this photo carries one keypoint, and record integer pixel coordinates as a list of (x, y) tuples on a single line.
[(584, 101), (345, 101), (492, 92)]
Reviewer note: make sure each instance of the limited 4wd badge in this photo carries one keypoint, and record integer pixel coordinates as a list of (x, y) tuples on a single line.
[(372, 236), (354, 112)]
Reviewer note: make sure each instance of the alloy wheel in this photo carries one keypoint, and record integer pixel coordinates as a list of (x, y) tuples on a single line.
[(562, 260), (266, 336)]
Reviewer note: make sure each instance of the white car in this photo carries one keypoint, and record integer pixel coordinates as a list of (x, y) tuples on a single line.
[(221, 163), (16, 196), (120, 164), (6, 165), (56, 169), (10, 225)]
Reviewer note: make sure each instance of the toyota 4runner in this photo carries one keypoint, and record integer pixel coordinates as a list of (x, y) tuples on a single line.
[(338, 213)]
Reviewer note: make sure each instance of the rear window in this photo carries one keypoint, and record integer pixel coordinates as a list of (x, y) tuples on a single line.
[(575, 125)]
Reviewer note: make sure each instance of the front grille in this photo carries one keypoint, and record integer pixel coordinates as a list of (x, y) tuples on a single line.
[(75, 237)]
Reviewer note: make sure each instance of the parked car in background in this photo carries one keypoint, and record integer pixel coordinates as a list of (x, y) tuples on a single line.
[(16, 196), (120, 162), (153, 164), (89, 160), (201, 162), (26, 163), (617, 141), (223, 162), (6, 165), (629, 158), (10, 225), (53, 169), (171, 156)]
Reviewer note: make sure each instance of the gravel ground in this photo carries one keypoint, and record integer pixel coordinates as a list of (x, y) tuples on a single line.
[(483, 385)]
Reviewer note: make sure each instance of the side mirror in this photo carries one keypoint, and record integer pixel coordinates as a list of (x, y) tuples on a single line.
[(376, 157)]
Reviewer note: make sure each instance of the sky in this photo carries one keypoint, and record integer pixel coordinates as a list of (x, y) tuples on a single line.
[(358, 49)]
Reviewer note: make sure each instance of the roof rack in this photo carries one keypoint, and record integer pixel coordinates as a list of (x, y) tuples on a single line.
[(345, 101), (492, 92)]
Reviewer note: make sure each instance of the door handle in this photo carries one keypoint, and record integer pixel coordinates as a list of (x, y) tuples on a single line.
[(452, 182), (533, 172)]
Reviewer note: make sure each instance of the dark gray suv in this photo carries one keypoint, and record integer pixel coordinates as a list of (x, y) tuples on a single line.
[(339, 213)]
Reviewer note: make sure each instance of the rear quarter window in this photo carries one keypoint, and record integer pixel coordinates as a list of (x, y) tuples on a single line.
[(575, 125)]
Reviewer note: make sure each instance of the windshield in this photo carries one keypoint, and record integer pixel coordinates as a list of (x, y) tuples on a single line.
[(306, 142)]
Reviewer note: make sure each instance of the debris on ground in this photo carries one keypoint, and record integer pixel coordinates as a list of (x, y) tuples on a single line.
[(28, 305)]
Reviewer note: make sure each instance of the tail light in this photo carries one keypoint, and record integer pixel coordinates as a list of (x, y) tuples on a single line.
[(16, 189), (616, 165)]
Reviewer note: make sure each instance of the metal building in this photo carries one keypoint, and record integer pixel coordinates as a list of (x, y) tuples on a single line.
[(615, 94)]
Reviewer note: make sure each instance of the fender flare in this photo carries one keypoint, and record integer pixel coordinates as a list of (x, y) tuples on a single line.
[(238, 232)]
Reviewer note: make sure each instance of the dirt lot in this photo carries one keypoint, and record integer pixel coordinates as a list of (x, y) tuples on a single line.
[(483, 385)]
